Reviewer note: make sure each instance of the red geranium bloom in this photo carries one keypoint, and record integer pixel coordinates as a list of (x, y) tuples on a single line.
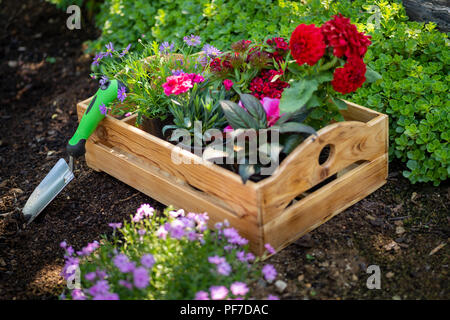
[(350, 77), (345, 39), (307, 44)]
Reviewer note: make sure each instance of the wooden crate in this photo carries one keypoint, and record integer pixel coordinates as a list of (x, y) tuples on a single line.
[(276, 210)]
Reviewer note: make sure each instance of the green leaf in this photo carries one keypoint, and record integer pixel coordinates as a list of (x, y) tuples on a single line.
[(372, 75), (297, 95), (341, 105), (291, 143), (255, 109), (296, 127), (237, 117), (246, 171)]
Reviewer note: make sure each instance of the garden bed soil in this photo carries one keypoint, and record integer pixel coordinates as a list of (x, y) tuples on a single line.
[(402, 228)]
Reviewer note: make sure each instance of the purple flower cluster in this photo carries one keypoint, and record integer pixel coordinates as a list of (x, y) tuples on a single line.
[(233, 237), (103, 109), (165, 47), (238, 289), (91, 247), (144, 211), (211, 51), (190, 225), (223, 267)]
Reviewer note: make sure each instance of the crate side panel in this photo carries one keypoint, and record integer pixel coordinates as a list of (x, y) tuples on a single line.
[(323, 204)]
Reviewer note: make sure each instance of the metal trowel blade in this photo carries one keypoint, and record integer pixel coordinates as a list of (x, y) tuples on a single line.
[(60, 175)]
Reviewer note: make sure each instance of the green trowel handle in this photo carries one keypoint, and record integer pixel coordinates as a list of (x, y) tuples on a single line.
[(92, 116)]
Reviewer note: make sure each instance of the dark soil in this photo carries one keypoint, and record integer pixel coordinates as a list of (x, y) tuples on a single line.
[(44, 73)]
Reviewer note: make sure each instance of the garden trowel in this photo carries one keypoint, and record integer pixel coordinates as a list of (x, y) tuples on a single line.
[(62, 173)]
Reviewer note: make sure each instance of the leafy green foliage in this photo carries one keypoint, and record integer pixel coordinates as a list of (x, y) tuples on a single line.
[(201, 104), (414, 61)]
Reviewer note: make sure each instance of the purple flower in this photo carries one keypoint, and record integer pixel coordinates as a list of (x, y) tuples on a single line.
[(250, 256), (115, 225), (103, 109), (239, 288), (218, 292), (101, 274), (91, 247), (109, 49), (211, 51), (192, 40), (126, 284), (177, 72), (98, 57), (101, 287), (142, 232), (230, 233), (121, 94), (90, 276), (70, 267), (201, 295), (272, 297), (77, 294), (122, 262), (69, 251), (145, 210), (269, 248), (269, 272), (177, 233), (216, 260), (148, 260), (240, 255), (63, 244), (191, 235), (103, 80), (165, 47), (106, 296), (224, 268), (140, 276), (125, 51)]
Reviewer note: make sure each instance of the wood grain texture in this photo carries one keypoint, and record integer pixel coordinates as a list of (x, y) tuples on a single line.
[(320, 206)]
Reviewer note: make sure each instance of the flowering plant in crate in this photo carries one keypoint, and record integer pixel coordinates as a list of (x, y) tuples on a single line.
[(273, 85), (168, 256)]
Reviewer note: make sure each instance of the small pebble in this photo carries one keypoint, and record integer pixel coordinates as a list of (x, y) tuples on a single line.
[(281, 285)]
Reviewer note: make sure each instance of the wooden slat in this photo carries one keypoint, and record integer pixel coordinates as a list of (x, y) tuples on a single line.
[(206, 176), (163, 189), (351, 141), (325, 203)]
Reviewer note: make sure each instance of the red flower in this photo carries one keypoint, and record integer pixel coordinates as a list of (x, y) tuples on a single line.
[(307, 44), (263, 86), (345, 39), (228, 84), (350, 77)]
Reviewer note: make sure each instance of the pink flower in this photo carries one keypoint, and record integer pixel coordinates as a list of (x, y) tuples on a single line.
[(228, 84), (239, 288), (196, 78), (269, 248), (202, 295), (272, 108), (177, 84), (218, 292)]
